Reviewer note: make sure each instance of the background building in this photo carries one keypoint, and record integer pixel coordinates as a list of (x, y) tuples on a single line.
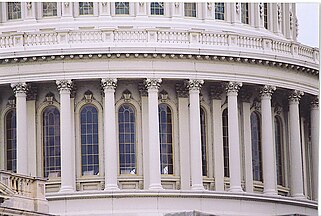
[(155, 108)]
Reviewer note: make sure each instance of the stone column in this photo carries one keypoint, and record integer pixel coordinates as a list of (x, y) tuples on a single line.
[(194, 87), (152, 86), (295, 145), (110, 145), (67, 172), (315, 146), (20, 89), (268, 151), (234, 138), (217, 134)]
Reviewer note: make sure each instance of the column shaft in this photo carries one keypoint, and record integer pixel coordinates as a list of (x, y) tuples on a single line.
[(315, 147)]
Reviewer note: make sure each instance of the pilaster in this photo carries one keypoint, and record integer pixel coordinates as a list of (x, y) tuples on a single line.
[(315, 145)]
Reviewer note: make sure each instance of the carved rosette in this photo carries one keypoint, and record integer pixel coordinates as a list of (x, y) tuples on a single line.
[(64, 85), (20, 87), (295, 96), (29, 5), (153, 83), (194, 84), (291, 20), (315, 103), (233, 87), (267, 91), (279, 12), (261, 7), (109, 83), (209, 6), (237, 7)]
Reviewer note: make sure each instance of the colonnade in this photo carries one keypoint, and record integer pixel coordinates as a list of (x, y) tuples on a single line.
[(189, 154)]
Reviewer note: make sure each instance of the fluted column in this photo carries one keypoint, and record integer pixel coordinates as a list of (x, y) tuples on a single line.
[(315, 146), (194, 87), (295, 145), (67, 172), (110, 145), (269, 164), (233, 135), (152, 86), (20, 90)]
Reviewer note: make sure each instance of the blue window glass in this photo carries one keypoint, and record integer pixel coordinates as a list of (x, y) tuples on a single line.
[(51, 139), (256, 147), (127, 139), (11, 141), (89, 140), (165, 136), (157, 8), (225, 143), (219, 11), (203, 141)]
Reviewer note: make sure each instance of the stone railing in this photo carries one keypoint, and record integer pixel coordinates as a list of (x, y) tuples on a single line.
[(24, 192), (17, 43)]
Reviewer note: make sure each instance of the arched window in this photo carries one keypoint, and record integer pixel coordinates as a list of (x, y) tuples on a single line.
[(89, 140), (204, 143), (219, 11), (86, 8), (49, 9), (51, 140), (11, 141), (245, 13), (127, 139), (165, 137), (256, 147), (225, 143), (279, 150), (157, 8)]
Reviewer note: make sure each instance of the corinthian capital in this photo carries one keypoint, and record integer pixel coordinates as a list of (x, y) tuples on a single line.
[(267, 91), (109, 83), (195, 84), (233, 87), (20, 87), (315, 103), (295, 96), (64, 85), (153, 83)]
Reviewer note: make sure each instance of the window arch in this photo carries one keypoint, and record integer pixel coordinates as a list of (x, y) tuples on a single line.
[(51, 140), (203, 141), (166, 139), (127, 139), (11, 140), (89, 140), (279, 150), (256, 147), (225, 143)]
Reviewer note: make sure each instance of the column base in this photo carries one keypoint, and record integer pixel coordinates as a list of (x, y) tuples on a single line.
[(155, 187), (237, 189), (66, 189), (111, 187), (199, 187), (270, 192)]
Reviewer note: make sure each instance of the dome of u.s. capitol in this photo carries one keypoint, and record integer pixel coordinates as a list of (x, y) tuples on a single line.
[(157, 108)]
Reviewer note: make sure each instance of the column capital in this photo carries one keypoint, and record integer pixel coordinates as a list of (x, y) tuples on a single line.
[(295, 96), (233, 87), (267, 91), (195, 84), (20, 87), (109, 83), (153, 83), (64, 85), (315, 103)]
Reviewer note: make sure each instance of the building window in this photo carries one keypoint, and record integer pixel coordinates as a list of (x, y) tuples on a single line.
[(86, 8), (165, 137), (245, 13), (256, 147), (157, 8), (219, 11), (127, 139), (89, 140), (279, 150), (190, 9), (51, 139), (49, 9), (225, 143), (266, 25), (14, 10), (204, 143), (11, 140), (122, 8)]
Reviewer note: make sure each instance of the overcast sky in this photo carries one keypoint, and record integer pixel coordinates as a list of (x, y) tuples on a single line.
[(308, 17)]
